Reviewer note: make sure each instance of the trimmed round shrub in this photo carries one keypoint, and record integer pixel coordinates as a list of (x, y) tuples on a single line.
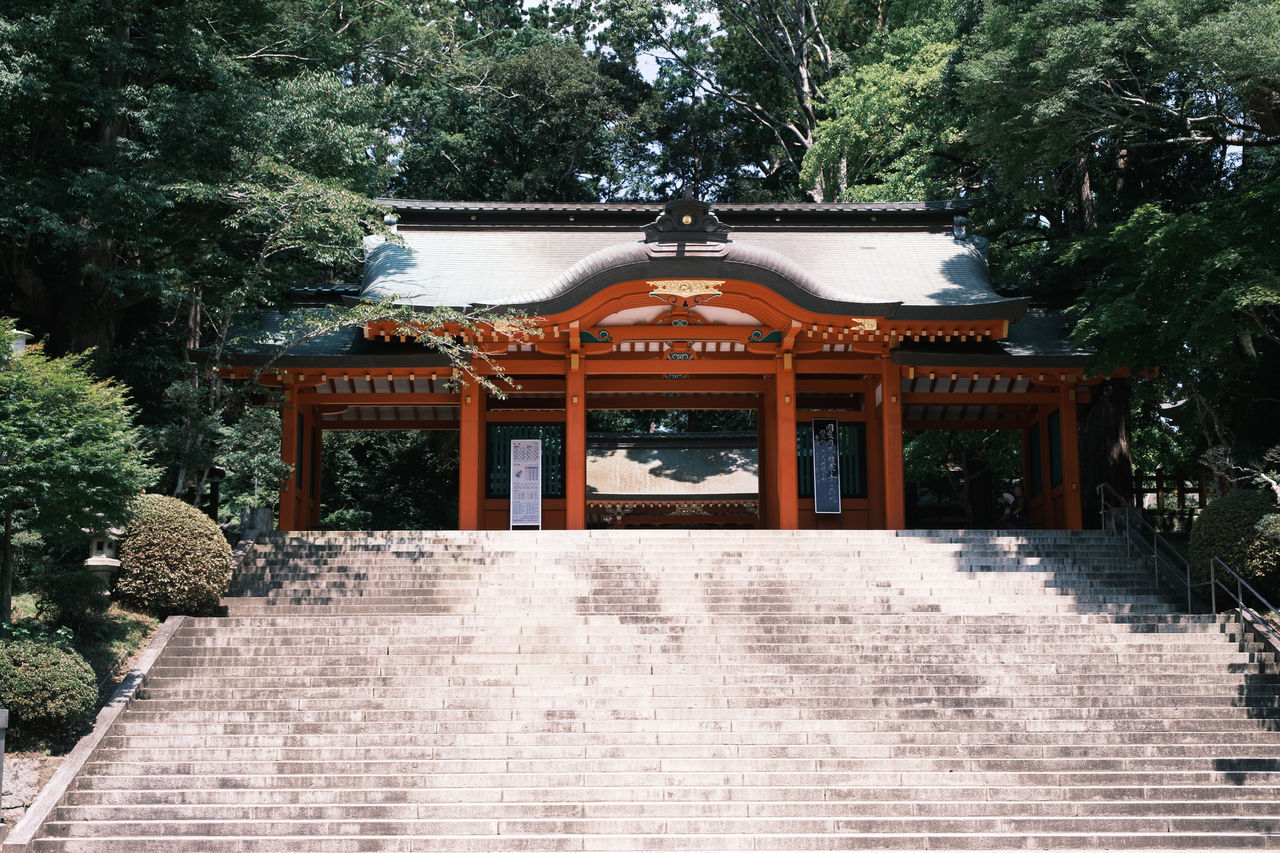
[(1264, 555), (173, 559), (1237, 528), (50, 691)]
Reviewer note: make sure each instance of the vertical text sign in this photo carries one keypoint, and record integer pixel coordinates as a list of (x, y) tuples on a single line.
[(526, 482), (826, 467)]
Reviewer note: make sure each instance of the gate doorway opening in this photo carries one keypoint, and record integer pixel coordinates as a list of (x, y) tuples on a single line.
[(389, 480), (673, 468)]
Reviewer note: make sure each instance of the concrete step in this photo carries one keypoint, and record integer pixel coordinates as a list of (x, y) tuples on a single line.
[(692, 690), (1190, 798)]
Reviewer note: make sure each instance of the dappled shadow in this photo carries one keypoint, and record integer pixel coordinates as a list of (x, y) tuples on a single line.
[(695, 464), (700, 471), (1227, 677)]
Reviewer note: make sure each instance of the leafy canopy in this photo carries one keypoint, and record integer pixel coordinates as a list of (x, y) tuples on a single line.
[(70, 456)]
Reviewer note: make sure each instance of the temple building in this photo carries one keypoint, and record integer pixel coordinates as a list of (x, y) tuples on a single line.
[(839, 325)]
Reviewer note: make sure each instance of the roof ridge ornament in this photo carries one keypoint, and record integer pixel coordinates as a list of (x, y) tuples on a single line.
[(686, 220)]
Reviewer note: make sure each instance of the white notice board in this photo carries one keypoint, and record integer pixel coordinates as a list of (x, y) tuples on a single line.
[(526, 482)]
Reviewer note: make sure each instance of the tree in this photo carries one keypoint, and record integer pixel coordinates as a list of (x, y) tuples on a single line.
[(159, 155), (1084, 112), (1209, 275), (1129, 151), (765, 62), (522, 115), (70, 456), (892, 129), (389, 480), (970, 464)]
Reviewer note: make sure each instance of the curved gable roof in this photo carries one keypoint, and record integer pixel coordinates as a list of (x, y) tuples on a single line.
[(830, 267)]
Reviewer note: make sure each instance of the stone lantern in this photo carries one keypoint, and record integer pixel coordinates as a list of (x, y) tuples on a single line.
[(102, 562), (20, 341)]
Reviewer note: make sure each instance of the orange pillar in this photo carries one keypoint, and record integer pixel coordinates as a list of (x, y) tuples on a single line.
[(1071, 498), (786, 490), (317, 463), (764, 461), (1026, 467), (306, 469), (290, 437), (575, 446), (875, 461), (1049, 511), (895, 511), (768, 457), (471, 458)]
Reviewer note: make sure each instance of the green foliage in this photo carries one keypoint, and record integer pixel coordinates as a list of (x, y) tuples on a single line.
[(251, 457), (525, 117), (390, 480), (69, 453), (890, 122), (1210, 274), (970, 466), (113, 639), (1243, 530), (171, 169), (70, 597), (49, 690), (670, 420), (173, 559), (167, 155)]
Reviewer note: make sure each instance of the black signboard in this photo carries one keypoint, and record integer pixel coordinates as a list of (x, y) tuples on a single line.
[(826, 467)]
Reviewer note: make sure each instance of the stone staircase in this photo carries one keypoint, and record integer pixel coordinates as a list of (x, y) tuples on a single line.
[(677, 690)]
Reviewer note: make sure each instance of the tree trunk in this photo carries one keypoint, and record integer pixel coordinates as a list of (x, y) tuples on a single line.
[(1088, 215), (6, 569), (1104, 447), (980, 512)]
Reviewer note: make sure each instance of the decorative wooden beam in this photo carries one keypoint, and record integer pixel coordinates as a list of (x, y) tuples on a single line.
[(381, 398), (1017, 423), (659, 385), (966, 398), (663, 402), (703, 365), (330, 426)]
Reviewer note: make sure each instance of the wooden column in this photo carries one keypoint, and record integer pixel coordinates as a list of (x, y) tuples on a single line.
[(895, 512), (290, 437), (471, 458), (786, 489), (1048, 510), (306, 459), (1069, 435), (1026, 468), (317, 468), (875, 459), (575, 445), (768, 461), (764, 461)]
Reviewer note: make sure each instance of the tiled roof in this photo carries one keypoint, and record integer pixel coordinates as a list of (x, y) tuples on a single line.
[(624, 207), (347, 347), (841, 270), (1039, 340)]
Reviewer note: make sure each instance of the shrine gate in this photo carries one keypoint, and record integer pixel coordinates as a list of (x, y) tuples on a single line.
[(879, 317)]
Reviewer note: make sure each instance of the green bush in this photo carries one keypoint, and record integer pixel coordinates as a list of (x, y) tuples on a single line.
[(50, 691), (1243, 530), (1264, 554), (173, 559), (70, 597)]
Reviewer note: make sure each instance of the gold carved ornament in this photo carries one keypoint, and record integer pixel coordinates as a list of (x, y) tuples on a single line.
[(863, 324), (685, 292)]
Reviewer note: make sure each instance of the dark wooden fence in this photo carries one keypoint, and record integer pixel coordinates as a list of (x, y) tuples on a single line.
[(1171, 502)]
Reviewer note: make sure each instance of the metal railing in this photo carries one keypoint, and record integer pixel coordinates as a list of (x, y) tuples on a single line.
[(1168, 564)]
